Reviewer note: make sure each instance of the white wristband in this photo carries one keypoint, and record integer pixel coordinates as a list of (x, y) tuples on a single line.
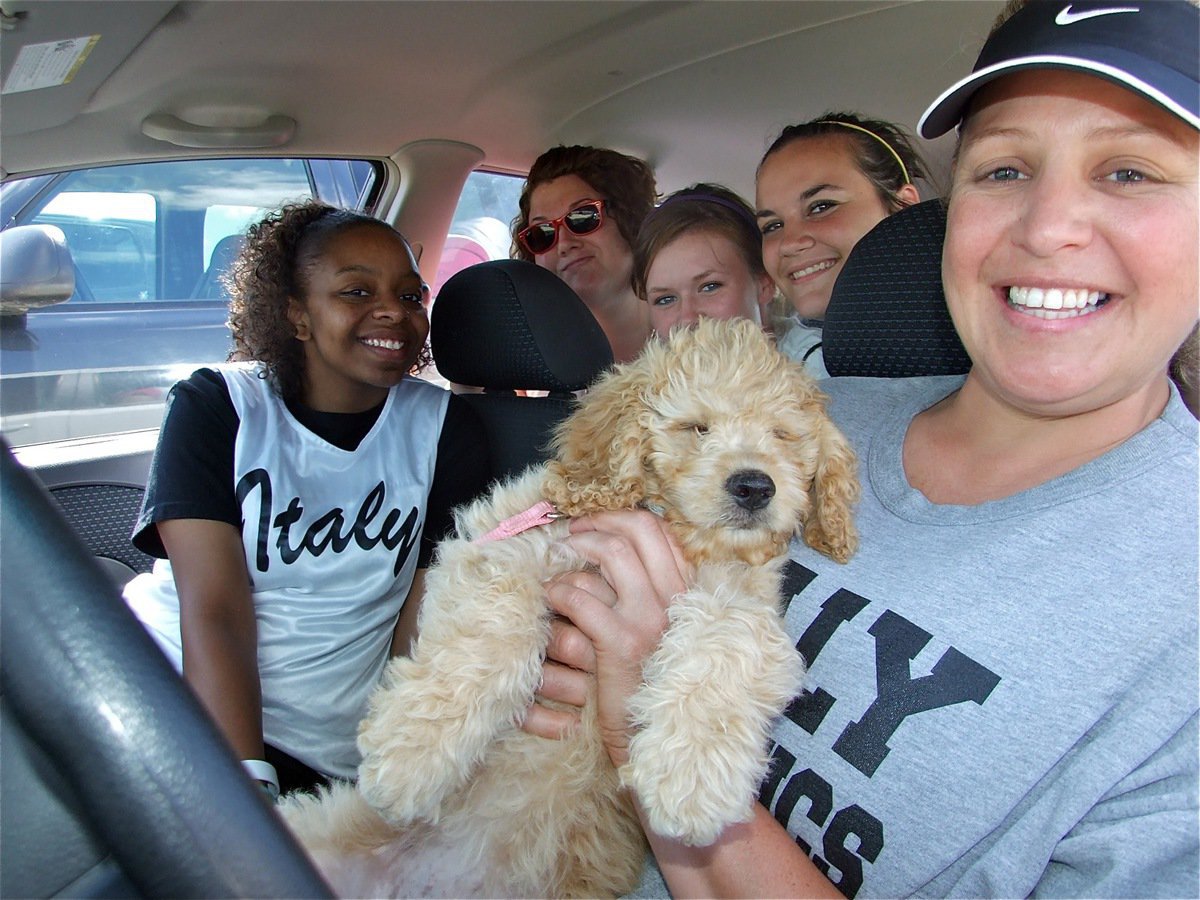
[(261, 770)]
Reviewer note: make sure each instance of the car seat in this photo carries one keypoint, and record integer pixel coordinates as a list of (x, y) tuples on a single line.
[(211, 285), (103, 515), (887, 315), (508, 326)]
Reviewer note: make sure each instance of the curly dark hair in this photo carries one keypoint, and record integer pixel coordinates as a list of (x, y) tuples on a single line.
[(703, 207), (272, 267), (877, 163), (624, 183), (1185, 370)]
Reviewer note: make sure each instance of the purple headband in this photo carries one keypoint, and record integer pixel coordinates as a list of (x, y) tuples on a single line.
[(742, 212)]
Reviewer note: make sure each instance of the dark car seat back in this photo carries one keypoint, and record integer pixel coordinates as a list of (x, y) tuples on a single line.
[(887, 316), (211, 285), (103, 515), (508, 326)]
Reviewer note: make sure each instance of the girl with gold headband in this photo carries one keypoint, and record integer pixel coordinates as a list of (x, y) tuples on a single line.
[(820, 187)]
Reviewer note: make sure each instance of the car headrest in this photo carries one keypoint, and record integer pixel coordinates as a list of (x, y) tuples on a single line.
[(512, 325), (887, 316), (211, 285)]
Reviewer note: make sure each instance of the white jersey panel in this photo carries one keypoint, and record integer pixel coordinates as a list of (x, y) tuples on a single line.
[(331, 540)]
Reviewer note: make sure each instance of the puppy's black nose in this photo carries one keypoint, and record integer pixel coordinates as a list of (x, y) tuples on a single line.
[(750, 489)]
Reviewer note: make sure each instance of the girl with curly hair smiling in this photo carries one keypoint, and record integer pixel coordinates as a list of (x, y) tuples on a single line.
[(296, 494)]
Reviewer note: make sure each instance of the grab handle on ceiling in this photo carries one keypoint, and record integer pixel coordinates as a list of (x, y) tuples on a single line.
[(273, 131)]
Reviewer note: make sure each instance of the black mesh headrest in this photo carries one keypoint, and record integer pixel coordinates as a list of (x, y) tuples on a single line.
[(512, 325), (887, 316)]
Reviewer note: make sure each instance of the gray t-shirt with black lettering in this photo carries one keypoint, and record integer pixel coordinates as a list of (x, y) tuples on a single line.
[(1002, 698)]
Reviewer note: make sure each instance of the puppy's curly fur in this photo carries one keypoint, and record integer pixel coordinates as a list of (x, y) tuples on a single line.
[(729, 441)]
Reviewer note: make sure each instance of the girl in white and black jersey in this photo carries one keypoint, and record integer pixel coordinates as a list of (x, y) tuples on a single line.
[(296, 493)]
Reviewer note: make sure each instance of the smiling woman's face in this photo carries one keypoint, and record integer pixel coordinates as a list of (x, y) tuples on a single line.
[(814, 204), (1070, 262), (361, 319), (597, 266), (702, 273)]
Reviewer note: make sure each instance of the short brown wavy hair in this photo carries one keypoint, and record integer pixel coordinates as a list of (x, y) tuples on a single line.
[(272, 267), (625, 184)]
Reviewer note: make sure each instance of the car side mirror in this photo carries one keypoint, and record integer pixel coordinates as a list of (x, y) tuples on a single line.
[(36, 268)]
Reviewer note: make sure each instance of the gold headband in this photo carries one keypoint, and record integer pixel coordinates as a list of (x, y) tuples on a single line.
[(890, 148)]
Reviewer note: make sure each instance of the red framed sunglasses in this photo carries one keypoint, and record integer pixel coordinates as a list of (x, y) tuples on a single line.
[(583, 219)]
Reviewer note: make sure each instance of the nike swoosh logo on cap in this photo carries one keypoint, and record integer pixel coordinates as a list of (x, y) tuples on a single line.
[(1066, 17)]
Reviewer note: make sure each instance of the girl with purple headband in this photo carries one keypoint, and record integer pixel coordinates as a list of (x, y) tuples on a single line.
[(697, 254), (1001, 697)]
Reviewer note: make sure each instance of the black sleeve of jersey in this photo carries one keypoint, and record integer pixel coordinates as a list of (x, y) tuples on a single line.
[(191, 475), (461, 474)]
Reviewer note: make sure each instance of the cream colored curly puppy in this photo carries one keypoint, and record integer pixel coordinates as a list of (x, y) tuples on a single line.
[(729, 441)]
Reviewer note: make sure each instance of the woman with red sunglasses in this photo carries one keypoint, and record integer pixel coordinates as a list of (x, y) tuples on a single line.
[(579, 213)]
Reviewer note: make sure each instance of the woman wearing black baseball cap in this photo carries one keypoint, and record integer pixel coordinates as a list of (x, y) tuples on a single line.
[(1149, 47), (1002, 689)]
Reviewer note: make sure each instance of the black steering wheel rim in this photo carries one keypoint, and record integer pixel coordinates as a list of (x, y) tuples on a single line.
[(154, 781)]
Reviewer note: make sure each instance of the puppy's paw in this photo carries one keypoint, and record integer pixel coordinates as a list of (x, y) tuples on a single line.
[(412, 753), (402, 789), (692, 795), (703, 718)]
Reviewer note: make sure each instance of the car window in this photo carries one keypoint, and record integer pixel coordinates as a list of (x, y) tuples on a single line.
[(111, 236), (479, 230), (150, 243)]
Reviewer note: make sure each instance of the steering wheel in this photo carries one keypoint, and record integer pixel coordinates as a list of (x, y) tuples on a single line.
[(104, 743)]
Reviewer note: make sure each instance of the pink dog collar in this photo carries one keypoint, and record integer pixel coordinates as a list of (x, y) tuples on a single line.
[(541, 513)]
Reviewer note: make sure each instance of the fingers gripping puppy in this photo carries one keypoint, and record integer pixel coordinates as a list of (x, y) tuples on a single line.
[(727, 440)]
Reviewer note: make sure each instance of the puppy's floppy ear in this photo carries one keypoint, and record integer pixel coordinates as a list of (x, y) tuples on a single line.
[(598, 448), (829, 528)]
